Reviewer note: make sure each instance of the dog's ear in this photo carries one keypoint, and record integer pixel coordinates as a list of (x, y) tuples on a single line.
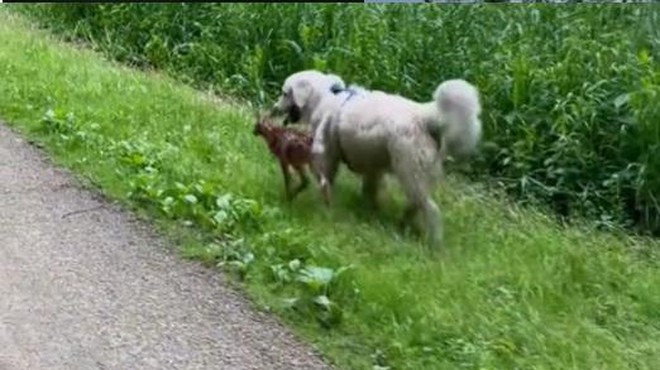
[(300, 93)]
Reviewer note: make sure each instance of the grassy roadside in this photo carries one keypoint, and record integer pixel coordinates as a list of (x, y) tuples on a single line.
[(511, 290)]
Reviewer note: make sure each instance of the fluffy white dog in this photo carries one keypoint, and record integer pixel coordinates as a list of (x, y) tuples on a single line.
[(374, 133)]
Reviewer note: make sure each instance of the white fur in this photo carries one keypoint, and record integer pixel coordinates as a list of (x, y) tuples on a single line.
[(374, 133)]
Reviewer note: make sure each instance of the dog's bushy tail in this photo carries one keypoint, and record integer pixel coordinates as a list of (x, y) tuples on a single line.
[(459, 108)]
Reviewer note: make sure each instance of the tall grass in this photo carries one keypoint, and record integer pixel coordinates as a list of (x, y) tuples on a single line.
[(570, 92)]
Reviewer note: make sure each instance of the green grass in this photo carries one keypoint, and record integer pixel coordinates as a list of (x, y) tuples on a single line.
[(510, 290)]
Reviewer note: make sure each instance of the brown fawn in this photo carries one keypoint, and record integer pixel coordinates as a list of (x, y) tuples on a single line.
[(292, 148)]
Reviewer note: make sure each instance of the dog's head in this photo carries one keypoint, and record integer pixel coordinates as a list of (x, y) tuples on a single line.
[(302, 92)]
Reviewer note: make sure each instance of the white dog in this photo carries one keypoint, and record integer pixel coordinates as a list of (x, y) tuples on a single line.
[(374, 133)]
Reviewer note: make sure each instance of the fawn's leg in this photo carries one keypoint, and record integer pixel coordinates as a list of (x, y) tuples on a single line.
[(287, 179), (304, 180)]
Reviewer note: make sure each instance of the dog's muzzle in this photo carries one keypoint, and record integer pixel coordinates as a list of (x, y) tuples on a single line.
[(292, 115)]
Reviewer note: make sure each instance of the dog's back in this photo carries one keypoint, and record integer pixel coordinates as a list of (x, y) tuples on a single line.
[(368, 128)]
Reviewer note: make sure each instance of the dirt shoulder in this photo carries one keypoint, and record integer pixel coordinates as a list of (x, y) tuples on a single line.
[(84, 285)]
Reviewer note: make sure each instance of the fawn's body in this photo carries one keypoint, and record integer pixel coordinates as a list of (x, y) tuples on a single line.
[(292, 148)]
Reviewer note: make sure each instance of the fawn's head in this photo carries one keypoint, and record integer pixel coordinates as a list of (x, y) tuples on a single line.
[(263, 122)]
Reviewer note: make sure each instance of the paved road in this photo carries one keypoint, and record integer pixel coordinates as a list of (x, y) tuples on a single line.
[(98, 290)]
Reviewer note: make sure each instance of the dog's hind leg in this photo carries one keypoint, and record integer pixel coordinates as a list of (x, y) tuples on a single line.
[(430, 212), (433, 220), (409, 214), (414, 170)]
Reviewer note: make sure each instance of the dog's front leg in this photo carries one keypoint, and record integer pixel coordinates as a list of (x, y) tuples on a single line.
[(325, 155), (321, 167), (330, 165), (322, 162)]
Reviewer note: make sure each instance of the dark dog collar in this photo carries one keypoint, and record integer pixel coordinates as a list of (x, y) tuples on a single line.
[(338, 90)]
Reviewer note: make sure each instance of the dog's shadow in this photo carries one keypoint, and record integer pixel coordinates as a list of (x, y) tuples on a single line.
[(349, 205)]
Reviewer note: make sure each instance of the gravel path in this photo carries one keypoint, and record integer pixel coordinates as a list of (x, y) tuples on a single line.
[(86, 286)]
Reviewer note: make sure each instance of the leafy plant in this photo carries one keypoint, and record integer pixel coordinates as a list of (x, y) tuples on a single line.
[(314, 289)]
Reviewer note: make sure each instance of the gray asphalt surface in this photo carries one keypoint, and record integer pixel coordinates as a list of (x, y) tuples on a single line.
[(84, 285)]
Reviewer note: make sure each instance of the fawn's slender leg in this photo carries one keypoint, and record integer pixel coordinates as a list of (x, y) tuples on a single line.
[(304, 180), (287, 179)]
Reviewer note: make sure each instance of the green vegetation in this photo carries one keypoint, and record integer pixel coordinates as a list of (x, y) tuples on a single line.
[(511, 289), (570, 92)]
